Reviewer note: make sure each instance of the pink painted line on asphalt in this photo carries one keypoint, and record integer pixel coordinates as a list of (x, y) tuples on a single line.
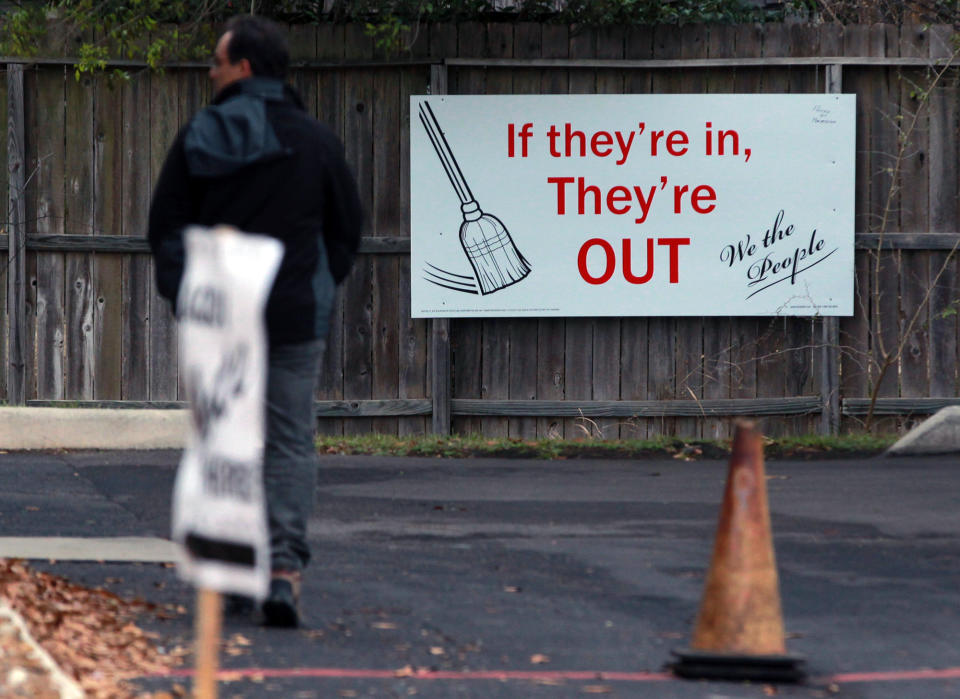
[(347, 673), (950, 673), (540, 676)]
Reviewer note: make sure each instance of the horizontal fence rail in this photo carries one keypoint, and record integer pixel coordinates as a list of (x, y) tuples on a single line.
[(748, 407), (391, 245), (139, 245), (803, 405), (540, 63)]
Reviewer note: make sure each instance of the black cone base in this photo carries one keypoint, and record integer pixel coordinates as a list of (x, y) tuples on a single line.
[(699, 664)]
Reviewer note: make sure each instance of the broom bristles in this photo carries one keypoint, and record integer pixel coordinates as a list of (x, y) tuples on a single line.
[(496, 261)]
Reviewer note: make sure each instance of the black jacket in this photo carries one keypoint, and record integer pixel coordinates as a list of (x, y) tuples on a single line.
[(255, 160)]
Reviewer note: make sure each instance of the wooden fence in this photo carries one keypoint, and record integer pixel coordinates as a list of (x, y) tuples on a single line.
[(82, 323)]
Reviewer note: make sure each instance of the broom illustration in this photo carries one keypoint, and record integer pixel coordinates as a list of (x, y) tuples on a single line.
[(494, 257)]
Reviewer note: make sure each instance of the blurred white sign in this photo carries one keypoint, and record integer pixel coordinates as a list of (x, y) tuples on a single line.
[(643, 205), (219, 514)]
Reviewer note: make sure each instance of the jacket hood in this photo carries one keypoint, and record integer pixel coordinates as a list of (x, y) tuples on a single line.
[(234, 132)]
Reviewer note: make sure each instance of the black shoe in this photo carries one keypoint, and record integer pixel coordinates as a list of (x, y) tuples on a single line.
[(238, 605), (281, 606)]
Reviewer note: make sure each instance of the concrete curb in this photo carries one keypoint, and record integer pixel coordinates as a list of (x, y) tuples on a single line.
[(131, 549), (67, 688), (89, 428), (939, 434)]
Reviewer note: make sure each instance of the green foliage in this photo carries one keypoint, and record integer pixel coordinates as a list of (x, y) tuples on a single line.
[(887, 11), (153, 31), (393, 24), (464, 446), (156, 31), (21, 29), (586, 12)]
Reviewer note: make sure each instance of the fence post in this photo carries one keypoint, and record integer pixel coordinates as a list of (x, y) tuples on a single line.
[(16, 232), (440, 377), (830, 329)]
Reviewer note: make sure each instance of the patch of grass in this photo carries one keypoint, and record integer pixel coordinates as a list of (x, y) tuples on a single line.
[(467, 446), (825, 447)]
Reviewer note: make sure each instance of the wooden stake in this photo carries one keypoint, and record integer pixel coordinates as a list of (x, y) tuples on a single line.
[(209, 618)]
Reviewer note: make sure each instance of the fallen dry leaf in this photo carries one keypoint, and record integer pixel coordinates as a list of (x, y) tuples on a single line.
[(769, 690), (437, 650), (384, 625), (90, 633), (598, 689), (539, 659)]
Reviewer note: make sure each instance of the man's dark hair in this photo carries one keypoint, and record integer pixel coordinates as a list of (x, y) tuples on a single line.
[(261, 42)]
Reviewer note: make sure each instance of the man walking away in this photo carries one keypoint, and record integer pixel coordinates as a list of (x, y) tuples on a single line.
[(255, 160)]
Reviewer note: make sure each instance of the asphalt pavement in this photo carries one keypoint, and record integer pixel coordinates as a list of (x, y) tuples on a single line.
[(495, 578)]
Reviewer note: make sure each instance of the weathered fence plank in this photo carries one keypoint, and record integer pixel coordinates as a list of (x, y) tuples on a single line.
[(914, 215), (443, 38), (79, 218), (108, 216), (16, 227), (137, 289), (331, 110), (302, 40), (897, 407), (162, 370), (413, 336), (826, 357), (854, 331), (49, 163), (590, 409), (357, 289), (386, 268), (885, 207), (414, 343), (944, 199), (4, 222)]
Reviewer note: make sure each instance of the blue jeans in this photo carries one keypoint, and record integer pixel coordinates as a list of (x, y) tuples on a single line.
[(290, 458)]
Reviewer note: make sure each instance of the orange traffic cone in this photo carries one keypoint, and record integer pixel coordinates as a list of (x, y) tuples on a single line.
[(739, 631)]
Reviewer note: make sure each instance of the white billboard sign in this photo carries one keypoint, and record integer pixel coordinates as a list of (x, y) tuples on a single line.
[(219, 514), (643, 205)]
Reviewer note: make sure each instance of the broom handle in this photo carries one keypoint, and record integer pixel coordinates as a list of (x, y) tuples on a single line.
[(440, 145)]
